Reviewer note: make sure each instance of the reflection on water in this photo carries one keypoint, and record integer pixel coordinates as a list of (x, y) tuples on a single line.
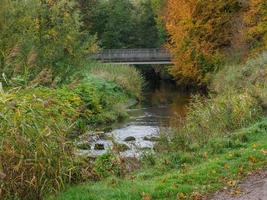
[(159, 107)]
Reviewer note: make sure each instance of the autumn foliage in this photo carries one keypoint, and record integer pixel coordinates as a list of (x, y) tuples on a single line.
[(202, 33), (255, 19)]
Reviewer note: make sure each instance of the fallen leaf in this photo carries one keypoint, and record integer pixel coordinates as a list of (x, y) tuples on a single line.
[(196, 196), (146, 196), (232, 183), (252, 159), (181, 195), (264, 152)]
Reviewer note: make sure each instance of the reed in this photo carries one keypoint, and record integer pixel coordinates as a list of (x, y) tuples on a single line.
[(36, 159)]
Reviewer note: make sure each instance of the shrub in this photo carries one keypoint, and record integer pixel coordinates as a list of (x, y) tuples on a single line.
[(256, 25), (35, 156), (239, 101), (103, 100), (204, 33)]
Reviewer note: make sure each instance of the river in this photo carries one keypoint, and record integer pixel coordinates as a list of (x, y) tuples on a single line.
[(159, 110)]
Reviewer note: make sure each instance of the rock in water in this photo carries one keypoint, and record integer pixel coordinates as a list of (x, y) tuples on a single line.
[(129, 139), (99, 146)]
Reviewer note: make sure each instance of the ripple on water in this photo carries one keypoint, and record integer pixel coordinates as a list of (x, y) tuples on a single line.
[(144, 123)]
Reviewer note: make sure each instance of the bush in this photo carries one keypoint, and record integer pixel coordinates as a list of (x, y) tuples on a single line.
[(35, 157), (205, 33), (201, 33), (103, 100)]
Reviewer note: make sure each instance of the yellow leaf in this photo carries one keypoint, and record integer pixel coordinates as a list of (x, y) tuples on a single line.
[(146, 196), (232, 183), (181, 195)]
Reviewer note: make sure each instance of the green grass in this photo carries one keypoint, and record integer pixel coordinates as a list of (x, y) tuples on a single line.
[(127, 77), (104, 100), (205, 172)]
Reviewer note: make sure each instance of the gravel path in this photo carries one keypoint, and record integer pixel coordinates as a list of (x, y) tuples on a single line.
[(254, 187)]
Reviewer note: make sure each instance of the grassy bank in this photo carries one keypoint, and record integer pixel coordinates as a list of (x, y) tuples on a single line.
[(222, 139), (36, 154), (192, 175)]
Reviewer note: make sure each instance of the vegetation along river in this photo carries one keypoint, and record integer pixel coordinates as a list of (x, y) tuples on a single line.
[(159, 110)]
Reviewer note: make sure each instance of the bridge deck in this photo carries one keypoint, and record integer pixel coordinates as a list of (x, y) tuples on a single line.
[(134, 56)]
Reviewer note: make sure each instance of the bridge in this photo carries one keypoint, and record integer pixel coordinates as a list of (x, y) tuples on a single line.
[(134, 56)]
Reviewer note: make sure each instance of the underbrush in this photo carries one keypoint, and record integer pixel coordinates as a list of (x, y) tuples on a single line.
[(215, 117)]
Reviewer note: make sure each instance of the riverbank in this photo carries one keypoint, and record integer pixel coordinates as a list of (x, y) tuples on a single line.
[(223, 139), (37, 124), (193, 177)]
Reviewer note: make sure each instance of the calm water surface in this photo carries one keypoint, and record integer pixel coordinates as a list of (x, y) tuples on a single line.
[(160, 106)]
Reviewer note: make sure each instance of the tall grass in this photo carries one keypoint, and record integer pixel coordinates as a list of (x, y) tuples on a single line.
[(216, 117), (35, 157), (125, 76), (239, 101), (250, 77)]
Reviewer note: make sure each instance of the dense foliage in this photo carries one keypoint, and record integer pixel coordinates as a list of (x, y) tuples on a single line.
[(239, 101), (204, 33), (125, 24), (256, 23), (199, 31), (41, 42)]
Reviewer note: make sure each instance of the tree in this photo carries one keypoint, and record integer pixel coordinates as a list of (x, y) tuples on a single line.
[(256, 25), (41, 41), (147, 35), (200, 34), (125, 24), (158, 7)]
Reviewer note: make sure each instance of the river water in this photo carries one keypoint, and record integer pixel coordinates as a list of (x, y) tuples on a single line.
[(157, 111)]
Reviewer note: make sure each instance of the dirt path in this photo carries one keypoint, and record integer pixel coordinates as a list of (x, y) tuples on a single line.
[(254, 187)]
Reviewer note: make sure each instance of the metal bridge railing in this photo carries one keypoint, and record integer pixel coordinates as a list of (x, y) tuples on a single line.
[(132, 55)]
